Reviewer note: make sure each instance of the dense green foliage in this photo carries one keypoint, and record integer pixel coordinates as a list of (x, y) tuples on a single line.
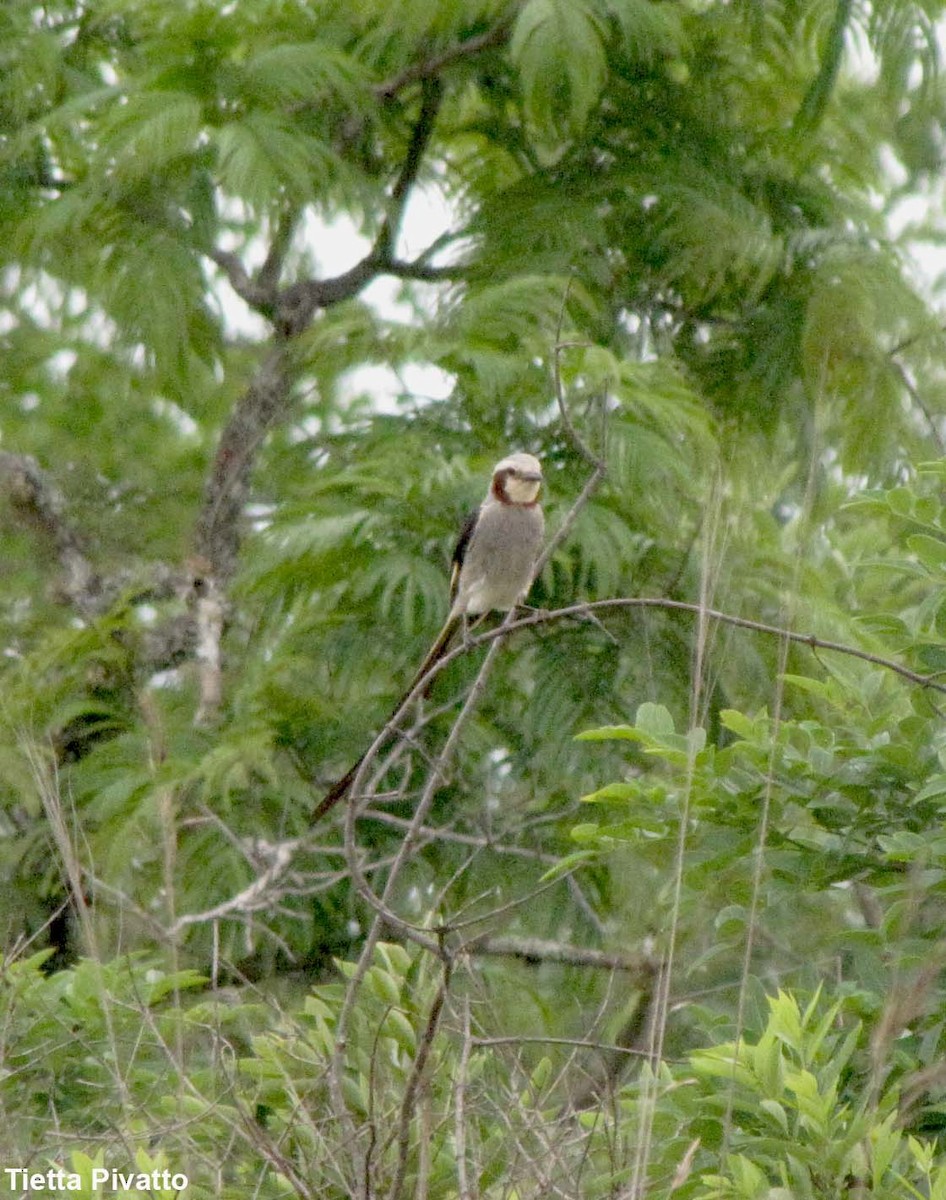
[(662, 259)]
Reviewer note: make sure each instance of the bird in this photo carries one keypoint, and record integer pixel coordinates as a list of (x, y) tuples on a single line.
[(492, 569)]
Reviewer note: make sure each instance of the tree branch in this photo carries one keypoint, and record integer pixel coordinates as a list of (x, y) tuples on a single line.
[(422, 271), (435, 64), (259, 295), (259, 291), (431, 99), (297, 304), (38, 502), (597, 462), (412, 1088), (906, 378), (258, 896), (459, 839), (210, 612), (539, 950), (217, 536), (713, 614), (268, 275)]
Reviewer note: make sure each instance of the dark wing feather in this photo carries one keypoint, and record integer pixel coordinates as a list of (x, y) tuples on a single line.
[(459, 553)]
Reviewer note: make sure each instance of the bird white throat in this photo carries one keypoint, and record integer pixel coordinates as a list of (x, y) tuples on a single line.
[(517, 479)]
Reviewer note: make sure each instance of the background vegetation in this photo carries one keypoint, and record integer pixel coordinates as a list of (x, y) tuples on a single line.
[(648, 898)]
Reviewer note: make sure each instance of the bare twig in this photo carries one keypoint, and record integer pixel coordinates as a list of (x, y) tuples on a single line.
[(384, 917), (256, 897), (591, 486), (412, 1088), (536, 950), (913, 391), (524, 1040), (381, 904), (435, 64), (597, 606), (594, 460), (459, 1106), (441, 834), (598, 463)]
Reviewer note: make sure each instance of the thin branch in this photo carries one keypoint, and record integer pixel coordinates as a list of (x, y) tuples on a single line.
[(561, 534), (256, 897), (500, 910), (459, 1107), (538, 950), (384, 917), (297, 304), (381, 904), (595, 606), (912, 339), (422, 132), (522, 1040), (36, 500), (408, 1103), (914, 393), (594, 460), (460, 839), (268, 275), (436, 63), (422, 271), (259, 295), (597, 462)]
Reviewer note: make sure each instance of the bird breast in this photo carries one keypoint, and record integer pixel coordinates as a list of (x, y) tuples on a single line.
[(497, 569)]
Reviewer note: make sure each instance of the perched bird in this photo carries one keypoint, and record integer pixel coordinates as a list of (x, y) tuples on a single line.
[(493, 564)]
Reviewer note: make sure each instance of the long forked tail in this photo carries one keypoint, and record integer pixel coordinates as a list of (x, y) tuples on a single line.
[(339, 790)]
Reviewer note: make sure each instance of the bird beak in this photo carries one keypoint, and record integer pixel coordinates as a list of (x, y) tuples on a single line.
[(531, 476)]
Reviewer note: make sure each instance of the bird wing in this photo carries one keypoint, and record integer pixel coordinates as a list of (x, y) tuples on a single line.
[(459, 553)]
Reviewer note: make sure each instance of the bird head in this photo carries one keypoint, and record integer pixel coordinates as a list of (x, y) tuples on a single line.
[(517, 479)]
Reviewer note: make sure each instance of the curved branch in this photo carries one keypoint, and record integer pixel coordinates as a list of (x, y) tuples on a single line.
[(595, 606), (435, 64), (259, 296), (297, 304)]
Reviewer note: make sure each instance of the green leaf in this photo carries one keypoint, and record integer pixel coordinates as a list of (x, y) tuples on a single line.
[(557, 45), (930, 551), (311, 72), (739, 723), (569, 863), (152, 129), (613, 792), (609, 733)]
